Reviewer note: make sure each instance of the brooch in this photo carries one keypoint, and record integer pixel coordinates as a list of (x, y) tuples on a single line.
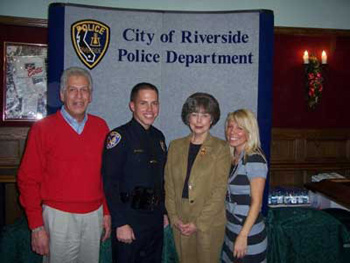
[(203, 151)]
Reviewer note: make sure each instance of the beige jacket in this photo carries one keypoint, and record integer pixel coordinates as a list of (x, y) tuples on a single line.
[(207, 183)]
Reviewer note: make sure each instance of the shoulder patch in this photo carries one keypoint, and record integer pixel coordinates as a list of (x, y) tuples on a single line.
[(113, 139)]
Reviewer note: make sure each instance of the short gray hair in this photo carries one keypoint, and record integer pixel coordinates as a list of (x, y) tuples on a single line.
[(74, 71)]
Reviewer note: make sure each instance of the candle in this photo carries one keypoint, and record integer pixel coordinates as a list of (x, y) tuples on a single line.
[(306, 57), (324, 57)]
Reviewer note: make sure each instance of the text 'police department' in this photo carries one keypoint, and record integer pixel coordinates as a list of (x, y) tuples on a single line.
[(171, 56)]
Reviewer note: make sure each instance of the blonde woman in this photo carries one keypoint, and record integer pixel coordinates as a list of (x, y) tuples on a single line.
[(245, 236)]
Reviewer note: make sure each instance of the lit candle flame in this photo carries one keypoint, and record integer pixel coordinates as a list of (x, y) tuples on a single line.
[(324, 57), (306, 57)]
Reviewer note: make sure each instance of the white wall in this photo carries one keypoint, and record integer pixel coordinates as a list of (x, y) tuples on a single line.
[(292, 13)]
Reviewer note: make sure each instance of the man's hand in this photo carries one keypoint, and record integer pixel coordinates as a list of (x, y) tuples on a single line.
[(106, 227), (40, 242), (125, 234)]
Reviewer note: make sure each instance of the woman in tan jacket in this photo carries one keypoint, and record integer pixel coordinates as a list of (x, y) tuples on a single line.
[(195, 183)]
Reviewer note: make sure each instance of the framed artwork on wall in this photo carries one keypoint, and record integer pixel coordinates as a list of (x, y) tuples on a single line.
[(23, 85), (25, 81)]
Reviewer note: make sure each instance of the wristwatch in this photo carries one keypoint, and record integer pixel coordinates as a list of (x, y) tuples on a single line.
[(37, 229)]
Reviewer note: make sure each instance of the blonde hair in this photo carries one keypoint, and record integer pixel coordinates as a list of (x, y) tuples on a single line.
[(247, 121)]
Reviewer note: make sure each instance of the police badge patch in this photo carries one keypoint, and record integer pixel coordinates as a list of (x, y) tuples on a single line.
[(90, 39), (113, 139)]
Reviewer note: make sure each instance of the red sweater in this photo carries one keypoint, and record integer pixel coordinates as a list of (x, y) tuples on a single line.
[(61, 168)]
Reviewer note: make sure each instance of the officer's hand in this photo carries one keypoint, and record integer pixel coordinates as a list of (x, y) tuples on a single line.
[(40, 242), (165, 221), (125, 234)]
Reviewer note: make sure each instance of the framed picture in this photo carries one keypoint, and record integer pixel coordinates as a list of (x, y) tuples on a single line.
[(25, 81)]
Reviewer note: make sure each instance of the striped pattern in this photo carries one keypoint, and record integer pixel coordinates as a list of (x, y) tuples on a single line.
[(237, 208)]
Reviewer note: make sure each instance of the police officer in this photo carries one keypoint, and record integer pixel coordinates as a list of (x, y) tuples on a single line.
[(133, 164)]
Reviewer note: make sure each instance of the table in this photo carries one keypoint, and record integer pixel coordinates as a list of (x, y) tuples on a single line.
[(337, 190)]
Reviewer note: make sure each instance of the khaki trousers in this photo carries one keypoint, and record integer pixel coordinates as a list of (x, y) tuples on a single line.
[(74, 238), (200, 247)]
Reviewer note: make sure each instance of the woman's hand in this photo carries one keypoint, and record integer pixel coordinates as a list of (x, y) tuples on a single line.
[(178, 224), (188, 229), (185, 229), (240, 246)]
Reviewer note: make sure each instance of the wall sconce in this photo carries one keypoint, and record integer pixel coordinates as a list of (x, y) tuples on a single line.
[(314, 77)]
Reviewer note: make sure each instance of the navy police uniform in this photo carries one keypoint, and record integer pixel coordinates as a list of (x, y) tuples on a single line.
[(133, 175)]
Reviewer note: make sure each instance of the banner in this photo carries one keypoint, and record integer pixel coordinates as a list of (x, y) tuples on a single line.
[(226, 54)]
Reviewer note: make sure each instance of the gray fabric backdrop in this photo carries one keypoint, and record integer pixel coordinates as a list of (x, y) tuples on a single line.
[(235, 85)]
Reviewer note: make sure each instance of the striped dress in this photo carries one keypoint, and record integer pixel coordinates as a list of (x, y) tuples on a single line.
[(237, 208)]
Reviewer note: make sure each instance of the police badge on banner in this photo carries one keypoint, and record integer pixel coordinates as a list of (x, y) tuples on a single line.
[(90, 39)]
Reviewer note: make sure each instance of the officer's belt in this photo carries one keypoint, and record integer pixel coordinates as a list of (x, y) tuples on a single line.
[(142, 198)]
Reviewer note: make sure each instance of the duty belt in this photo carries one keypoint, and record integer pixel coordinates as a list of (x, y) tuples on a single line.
[(142, 198)]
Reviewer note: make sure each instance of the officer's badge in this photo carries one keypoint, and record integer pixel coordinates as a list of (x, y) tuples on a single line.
[(203, 151), (162, 145), (113, 139), (90, 39)]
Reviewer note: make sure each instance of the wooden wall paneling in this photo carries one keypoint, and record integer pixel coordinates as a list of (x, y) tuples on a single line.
[(290, 177), (23, 21), (309, 32), (12, 206), (327, 145), (297, 154), (283, 150), (319, 149), (12, 143)]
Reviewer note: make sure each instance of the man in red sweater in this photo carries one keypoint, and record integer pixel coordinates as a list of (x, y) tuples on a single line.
[(60, 180)]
